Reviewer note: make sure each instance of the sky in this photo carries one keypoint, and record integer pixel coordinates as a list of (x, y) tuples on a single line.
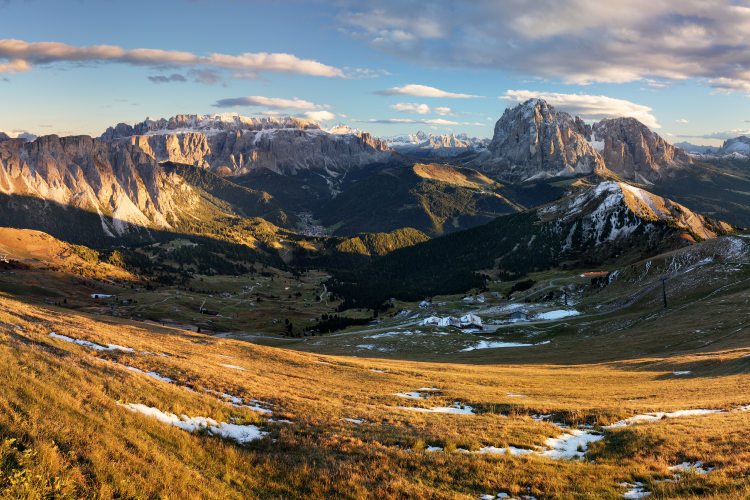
[(390, 67)]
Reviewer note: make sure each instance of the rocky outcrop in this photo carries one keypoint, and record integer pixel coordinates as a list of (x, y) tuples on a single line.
[(4, 136), (119, 182), (534, 141), (233, 144), (613, 211), (631, 150)]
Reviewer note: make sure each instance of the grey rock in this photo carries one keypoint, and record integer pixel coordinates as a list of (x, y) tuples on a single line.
[(534, 141), (634, 152), (233, 144)]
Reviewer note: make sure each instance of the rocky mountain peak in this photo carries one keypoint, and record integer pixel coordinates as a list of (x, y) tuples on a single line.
[(611, 210), (534, 141), (740, 145), (635, 152)]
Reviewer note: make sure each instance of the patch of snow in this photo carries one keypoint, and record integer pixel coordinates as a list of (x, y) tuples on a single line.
[(388, 334), (149, 374), (510, 395), (354, 420), (101, 296), (635, 490), (508, 450), (411, 395), (233, 366), (378, 371), (558, 314), (655, 417), (485, 344), (687, 467), (570, 445), (456, 408), (91, 345), (243, 434), (685, 372)]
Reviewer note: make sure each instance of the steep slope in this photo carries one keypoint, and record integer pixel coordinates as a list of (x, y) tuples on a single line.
[(631, 150), (535, 141), (245, 202), (37, 249), (601, 223), (717, 186), (233, 144), (119, 183), (432, 198), (101, 194)]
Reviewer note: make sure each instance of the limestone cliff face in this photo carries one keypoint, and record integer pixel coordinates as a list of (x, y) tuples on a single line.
[(114, 180), (534, 141), (232, 144), (631, 150)]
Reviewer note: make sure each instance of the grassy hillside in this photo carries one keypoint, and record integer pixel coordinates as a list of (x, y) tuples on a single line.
[(434, 199), (246, 202), (719, 189), (341, 426)]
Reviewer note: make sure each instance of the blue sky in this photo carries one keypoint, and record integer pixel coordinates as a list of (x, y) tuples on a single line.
[(390, 67)]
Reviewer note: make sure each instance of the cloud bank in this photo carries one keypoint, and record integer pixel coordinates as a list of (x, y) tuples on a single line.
[(575, 41), (588, 107), (423, 91), (266, 102), (433, 121), (19, 56), (420, 109)]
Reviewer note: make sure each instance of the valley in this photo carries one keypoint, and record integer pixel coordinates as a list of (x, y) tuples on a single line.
[(594, 402), (227, 307)]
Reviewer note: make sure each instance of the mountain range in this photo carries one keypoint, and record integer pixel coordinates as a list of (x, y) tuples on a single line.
[(737, 146), (566, 191), (423, 144), (535, 141)]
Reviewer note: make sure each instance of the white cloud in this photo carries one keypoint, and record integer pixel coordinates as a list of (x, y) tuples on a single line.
[(319, 116), (431, 121), (723, 135), (14, 66), (420, 109), (411, 107), (589, 107), (423, 91), (682, 120), (728, 85), (267, 102), (22, 56), (575, 41)]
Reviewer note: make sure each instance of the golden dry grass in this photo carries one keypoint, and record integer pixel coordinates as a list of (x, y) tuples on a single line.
[(58, 401), (453, 175)]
